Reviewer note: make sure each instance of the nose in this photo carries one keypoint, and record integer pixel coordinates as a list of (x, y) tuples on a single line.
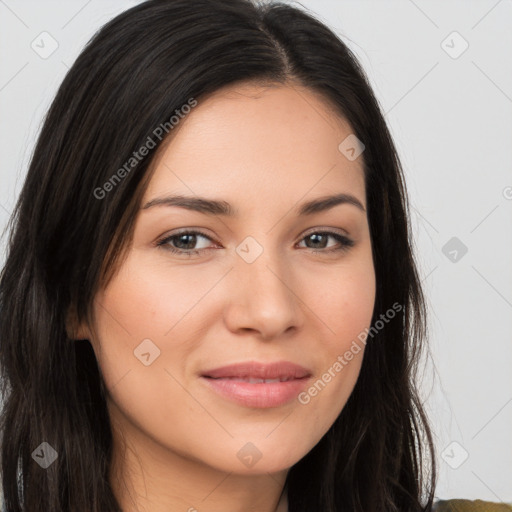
[(262, 299)]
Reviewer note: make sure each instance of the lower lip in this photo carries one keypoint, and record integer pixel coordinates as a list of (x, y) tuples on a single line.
[(259, 394)]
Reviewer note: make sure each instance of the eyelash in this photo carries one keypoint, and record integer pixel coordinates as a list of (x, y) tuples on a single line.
[(346, 243)]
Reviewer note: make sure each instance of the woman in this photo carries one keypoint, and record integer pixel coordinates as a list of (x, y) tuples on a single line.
[(210, 300)]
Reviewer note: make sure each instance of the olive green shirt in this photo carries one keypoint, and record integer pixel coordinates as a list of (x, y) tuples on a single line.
[(456, 505)]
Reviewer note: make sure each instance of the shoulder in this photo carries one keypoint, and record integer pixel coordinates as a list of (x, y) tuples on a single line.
[(470, 506)]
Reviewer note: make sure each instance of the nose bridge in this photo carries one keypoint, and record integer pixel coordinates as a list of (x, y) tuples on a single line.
[(263, 295)]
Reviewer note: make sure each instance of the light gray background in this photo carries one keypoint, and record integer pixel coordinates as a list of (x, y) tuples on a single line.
[(451, 120)]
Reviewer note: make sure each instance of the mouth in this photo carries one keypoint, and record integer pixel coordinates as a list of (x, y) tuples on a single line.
[(277, 371), (258, 385), (253, 380)]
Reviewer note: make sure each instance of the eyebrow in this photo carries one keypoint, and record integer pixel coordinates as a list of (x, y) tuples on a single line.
[(223, 208)]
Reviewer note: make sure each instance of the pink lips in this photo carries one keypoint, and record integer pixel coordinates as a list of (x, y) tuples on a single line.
[(247, 383)]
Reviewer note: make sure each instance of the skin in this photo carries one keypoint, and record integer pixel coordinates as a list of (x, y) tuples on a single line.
[(265, 150)]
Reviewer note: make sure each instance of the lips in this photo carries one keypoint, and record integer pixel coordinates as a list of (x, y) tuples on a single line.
[(254, 372), (258, 385)]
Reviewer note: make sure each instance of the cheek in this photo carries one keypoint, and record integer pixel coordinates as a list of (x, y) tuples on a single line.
[(144, 343), (148, 300), (343, 301), (135, 317), (344, 306)]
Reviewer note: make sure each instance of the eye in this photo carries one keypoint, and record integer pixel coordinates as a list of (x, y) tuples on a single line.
[(344, 242), (184, 242)]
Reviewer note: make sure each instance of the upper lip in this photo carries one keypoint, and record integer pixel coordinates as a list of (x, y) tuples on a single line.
[(254, 369)]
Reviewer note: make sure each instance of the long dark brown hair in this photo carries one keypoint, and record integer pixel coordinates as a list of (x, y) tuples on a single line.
[(65, 242)]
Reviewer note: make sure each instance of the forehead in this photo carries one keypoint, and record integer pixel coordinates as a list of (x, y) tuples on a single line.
[(245, 141)]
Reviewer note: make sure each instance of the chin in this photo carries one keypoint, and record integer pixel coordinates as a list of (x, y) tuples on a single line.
[(262, 457)]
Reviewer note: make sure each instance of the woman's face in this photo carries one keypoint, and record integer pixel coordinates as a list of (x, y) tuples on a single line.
[(256, 290)]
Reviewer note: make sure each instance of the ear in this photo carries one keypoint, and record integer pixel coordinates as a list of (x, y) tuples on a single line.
[(75, 330)]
